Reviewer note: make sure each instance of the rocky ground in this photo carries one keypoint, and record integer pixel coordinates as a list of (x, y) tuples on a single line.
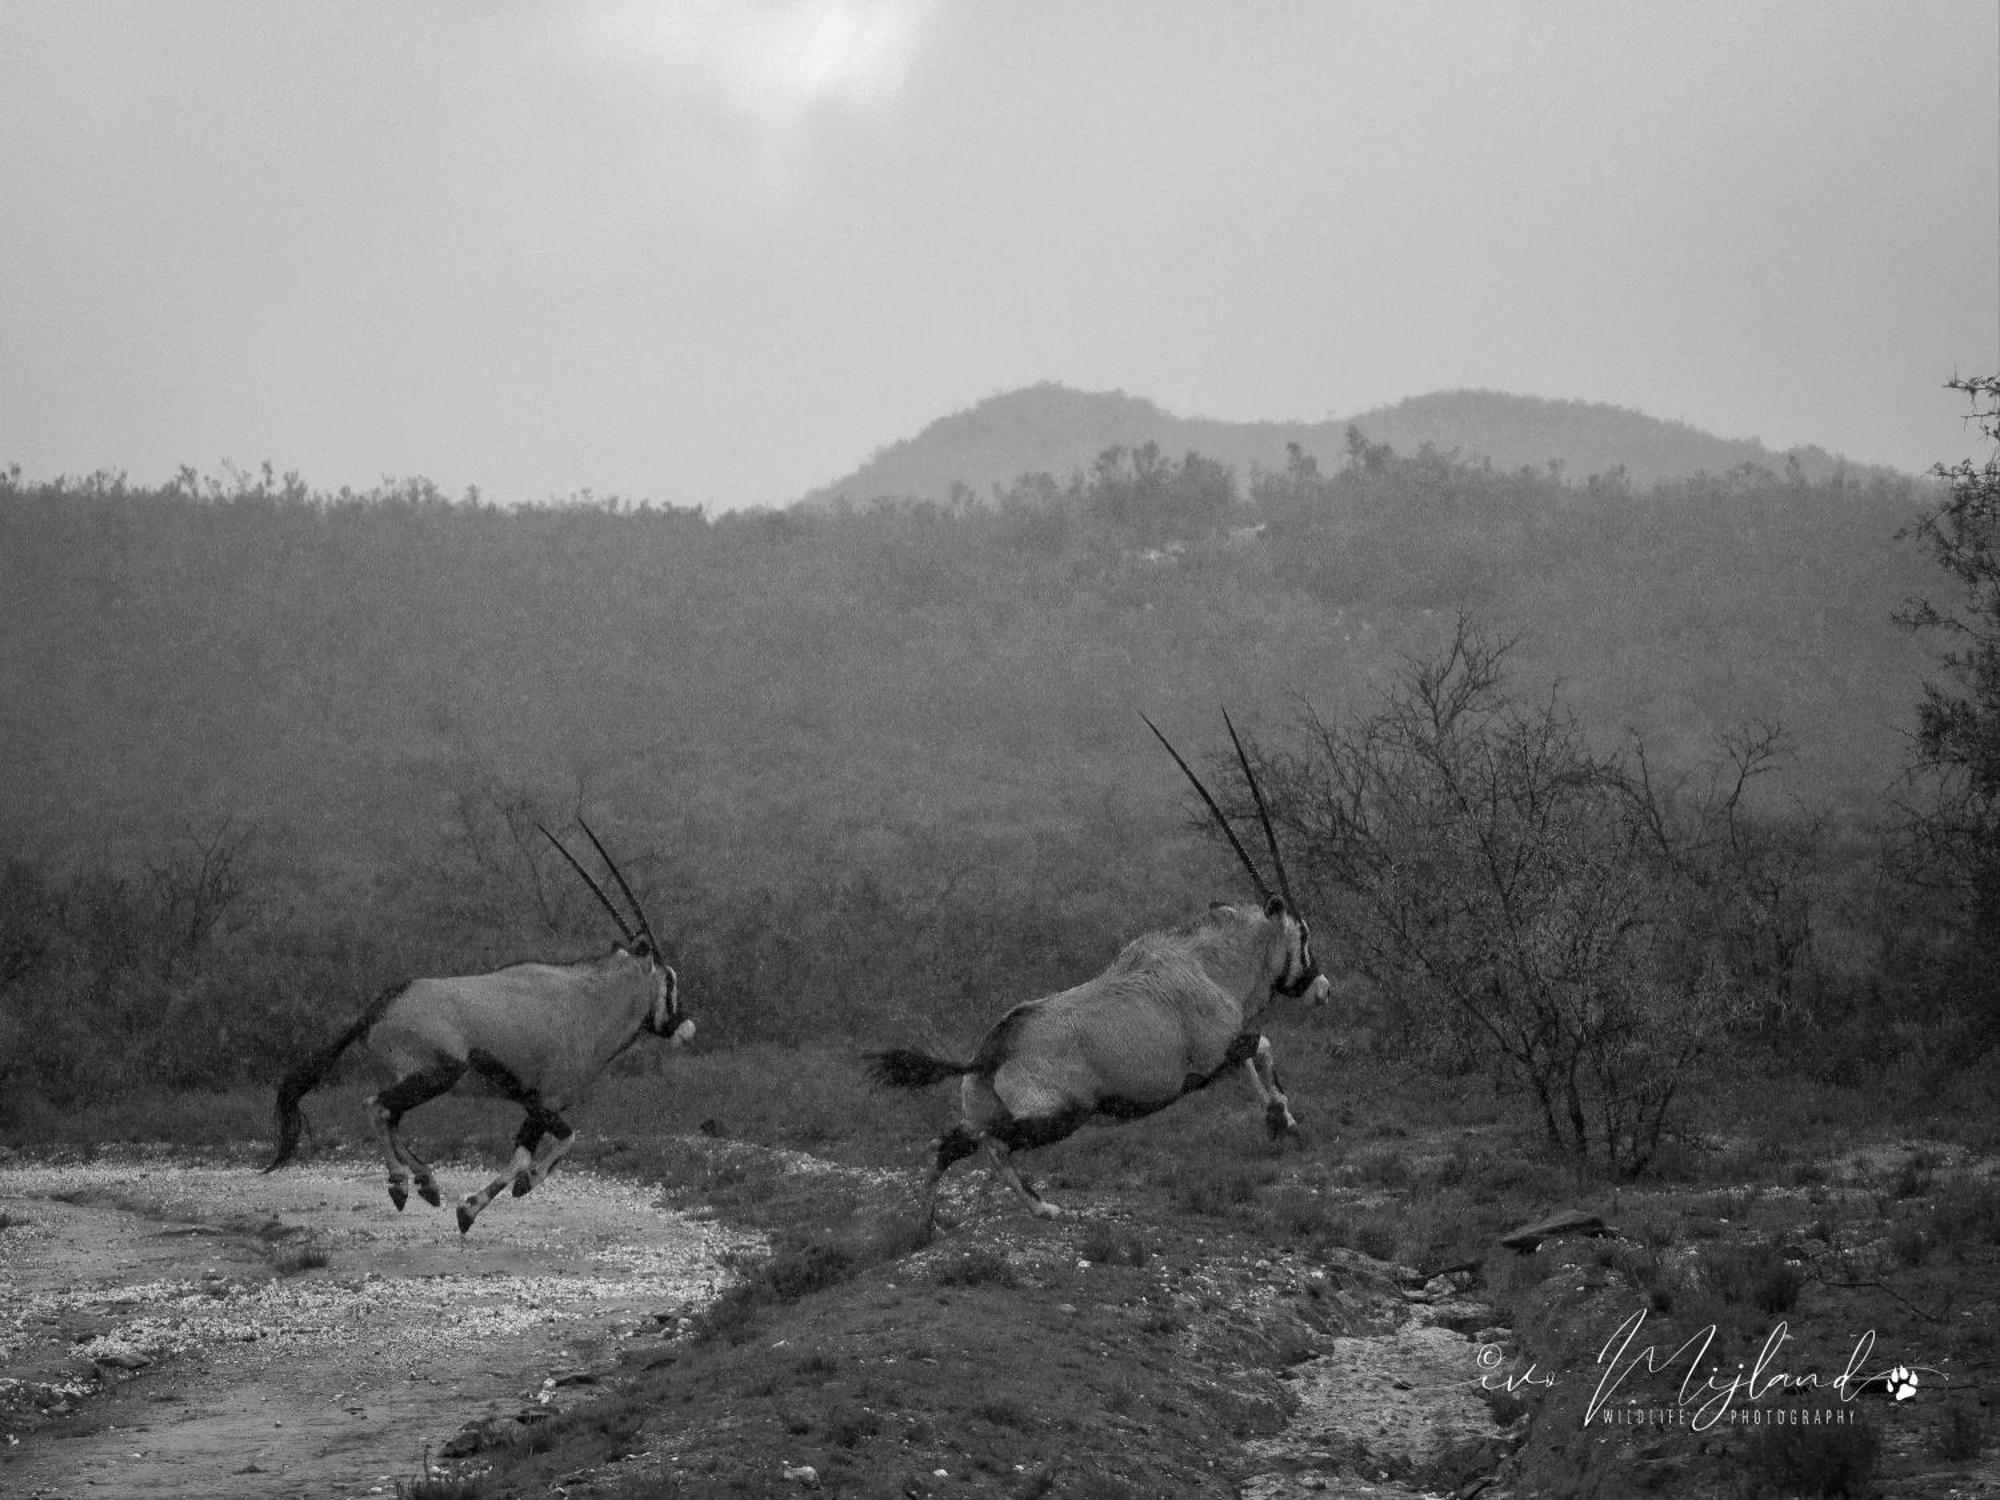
[(735, 1319), (174, 1328)]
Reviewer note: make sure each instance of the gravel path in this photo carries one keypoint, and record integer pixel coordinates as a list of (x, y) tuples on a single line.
[(157, 1336)]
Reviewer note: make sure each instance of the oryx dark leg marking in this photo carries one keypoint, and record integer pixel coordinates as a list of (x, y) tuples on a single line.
[(554, 1135), (1131, 1109), (954, 1145), (997, 1153), (1026, 1133), (386, 1111), (1000, 1140), (1263, 1074), (531, 1163), (1037, 1130), (1242, 1047)]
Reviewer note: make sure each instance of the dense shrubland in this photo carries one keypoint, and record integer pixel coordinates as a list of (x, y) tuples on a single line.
[(1554, 912), (881, 768)]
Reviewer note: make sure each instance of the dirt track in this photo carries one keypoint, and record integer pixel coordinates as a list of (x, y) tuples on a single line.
[(150, 1346)]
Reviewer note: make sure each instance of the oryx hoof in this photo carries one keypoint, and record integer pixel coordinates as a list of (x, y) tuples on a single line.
[(398, 1195), (522, 1184), (465, 1218), (428, 1191)]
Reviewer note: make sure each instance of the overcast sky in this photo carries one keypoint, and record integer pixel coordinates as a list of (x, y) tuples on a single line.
[(719, 252)]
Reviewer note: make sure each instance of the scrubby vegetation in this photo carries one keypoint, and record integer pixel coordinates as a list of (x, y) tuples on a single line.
[(268, 750)]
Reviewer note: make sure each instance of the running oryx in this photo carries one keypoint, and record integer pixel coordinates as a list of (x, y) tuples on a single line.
[(1173, 1013), (537, 1034)]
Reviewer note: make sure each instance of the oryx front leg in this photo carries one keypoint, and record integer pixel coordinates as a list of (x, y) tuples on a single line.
[(1263, 1075), (386, 1111), (543, 1140), (516, 1178), (556, 1139)]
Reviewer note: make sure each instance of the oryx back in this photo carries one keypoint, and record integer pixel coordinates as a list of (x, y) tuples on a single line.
[(550, 1028)]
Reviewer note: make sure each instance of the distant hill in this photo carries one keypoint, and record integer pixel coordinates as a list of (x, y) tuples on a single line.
[(1052, 429)]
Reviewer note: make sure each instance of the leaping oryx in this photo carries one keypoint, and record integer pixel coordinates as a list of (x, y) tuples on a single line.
[(1172, 1013), (536, 1034)]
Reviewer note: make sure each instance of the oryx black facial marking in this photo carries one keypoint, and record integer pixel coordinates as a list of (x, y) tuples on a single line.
[(538, 1035), (1166, 1019)]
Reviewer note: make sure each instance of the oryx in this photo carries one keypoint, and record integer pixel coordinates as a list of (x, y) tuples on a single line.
[(537, 1034), (1173, 1013)]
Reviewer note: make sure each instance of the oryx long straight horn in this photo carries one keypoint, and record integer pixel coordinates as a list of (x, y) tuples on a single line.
[(611, 864), (1249, 864), (595, 889), (1263, 812)]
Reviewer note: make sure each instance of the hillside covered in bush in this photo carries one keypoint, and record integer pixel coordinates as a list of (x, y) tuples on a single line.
[(266, 748)]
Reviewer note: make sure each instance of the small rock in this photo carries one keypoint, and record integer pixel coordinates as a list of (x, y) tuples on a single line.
[(468, 1442), (804, 1474)]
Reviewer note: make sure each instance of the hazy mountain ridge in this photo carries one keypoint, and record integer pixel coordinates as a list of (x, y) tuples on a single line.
[(1050, 428)]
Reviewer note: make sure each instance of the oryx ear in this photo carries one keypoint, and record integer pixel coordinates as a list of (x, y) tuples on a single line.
[(1275, 907)]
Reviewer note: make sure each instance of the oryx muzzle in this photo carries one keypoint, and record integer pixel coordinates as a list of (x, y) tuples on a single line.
[(537, 1034)]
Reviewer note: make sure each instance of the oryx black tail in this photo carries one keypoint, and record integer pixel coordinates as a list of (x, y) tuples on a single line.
[(902, 1068), (308, 1075)]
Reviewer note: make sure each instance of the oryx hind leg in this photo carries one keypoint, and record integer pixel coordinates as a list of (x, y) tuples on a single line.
[(1263, 1075), (385, 1112), (955, 1145), (1027, 1112), (998, 1154), (1025, 1133)]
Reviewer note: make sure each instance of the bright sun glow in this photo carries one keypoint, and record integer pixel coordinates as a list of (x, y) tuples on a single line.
[(768, 61)]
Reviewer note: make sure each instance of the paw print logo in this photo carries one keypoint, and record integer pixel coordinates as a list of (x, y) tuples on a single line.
[(1902, 1382)]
